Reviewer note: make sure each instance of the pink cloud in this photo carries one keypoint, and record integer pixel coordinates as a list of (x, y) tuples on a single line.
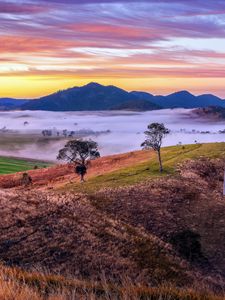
[(24, 8)]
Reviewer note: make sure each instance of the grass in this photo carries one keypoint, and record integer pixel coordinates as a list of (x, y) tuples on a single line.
[(171, 157), (144, 251), (22, 285), (12, 165)]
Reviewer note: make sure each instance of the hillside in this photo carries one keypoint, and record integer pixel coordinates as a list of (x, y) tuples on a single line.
[(10, 104), (126, 226), (24, 285), (90, 97), (182, 99), (10, 165), (94, 96), (137, 105), (211, 112), (117, 170)]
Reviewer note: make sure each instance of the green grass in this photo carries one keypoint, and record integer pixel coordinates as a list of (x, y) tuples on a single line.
[(136, 173), (13, 165)]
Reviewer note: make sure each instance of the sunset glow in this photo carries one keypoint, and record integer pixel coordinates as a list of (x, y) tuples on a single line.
[(158, 46)]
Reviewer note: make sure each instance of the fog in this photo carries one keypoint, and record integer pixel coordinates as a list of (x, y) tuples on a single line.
[(21, 131)]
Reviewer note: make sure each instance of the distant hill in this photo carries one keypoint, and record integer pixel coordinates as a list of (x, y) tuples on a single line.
[(211, 112), (94, 96), (138, 105), (9, 104), (182, 99)]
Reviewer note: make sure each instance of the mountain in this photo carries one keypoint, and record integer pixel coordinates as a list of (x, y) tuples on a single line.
[(209, 100), (182, 99), (92, 96), (143, 95), (9, 103), (138, 105), (179, 99)]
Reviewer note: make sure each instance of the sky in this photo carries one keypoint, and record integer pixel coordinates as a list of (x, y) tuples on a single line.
[(159, 46)]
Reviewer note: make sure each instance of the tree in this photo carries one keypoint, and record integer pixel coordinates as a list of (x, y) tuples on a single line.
[(79, 152), (154, 136), (26, 179)]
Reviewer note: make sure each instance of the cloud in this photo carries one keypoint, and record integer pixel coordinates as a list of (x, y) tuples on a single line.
[(118, 39), (24, 8)]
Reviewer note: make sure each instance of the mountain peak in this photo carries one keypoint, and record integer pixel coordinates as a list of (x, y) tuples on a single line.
[(182, 93), (93, 85), (95, 96)]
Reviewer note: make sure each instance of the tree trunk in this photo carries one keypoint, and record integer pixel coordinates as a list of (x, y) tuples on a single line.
[(83, 173), (160, 161), (82, 178)]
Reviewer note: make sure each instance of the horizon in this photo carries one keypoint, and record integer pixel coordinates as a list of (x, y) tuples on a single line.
[(152, 46), (129, 91)]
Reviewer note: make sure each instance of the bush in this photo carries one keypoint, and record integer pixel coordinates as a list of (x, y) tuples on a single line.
[(188, 245)]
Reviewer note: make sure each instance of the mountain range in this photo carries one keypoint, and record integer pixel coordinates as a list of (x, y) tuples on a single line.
[(94, 96), (11, 104)]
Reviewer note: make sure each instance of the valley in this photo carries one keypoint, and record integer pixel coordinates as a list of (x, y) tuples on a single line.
[(39, 135), (112, 150)]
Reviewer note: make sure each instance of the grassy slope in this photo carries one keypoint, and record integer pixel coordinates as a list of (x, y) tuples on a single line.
[(171, 156), (126, 175), (22, 285), (12, 165)]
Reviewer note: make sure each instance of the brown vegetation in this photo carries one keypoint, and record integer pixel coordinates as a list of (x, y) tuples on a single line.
[(21, 285), (162, 238)]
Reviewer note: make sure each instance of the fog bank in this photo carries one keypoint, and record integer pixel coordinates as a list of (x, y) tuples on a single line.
[(116, 132)]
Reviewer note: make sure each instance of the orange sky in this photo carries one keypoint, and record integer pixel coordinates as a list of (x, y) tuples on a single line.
[(156, 46)]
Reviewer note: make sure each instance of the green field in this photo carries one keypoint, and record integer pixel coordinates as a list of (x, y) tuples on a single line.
[(12, 165), (171, 156)]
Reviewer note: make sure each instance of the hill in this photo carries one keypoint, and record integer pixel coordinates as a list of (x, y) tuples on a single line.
[(211, 112), (94, 96), (126, 226), (24, 285), (182, 99), (90, 97), (10, 104), (137, 105)]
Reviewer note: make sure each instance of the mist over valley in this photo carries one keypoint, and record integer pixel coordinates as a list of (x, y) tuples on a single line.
[(40, 134)]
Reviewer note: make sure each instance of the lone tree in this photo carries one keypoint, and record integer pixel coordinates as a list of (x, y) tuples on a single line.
[(154, 136), (26, 179), (79, 152)]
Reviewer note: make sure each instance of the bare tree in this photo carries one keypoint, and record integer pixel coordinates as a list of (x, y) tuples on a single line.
[(79, 152), (154, 136)]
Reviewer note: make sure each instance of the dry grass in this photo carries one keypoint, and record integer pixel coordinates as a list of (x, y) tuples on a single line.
[(191, 201), (22, 285), (118, 242), (122, 232), (66, 233)]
